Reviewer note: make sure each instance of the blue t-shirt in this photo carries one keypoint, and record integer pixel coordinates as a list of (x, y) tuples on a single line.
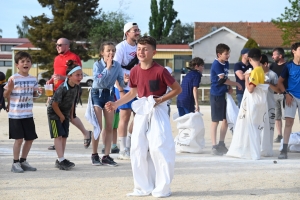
[(186, 98), (241, 66), (291, 72), (218, 68)]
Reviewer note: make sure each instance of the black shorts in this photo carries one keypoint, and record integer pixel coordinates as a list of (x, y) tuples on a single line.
[(22, 128), (218, 107), (58, 129)]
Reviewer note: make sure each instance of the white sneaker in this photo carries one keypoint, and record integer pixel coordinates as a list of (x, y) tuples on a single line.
[(16, 168), (124, 155)]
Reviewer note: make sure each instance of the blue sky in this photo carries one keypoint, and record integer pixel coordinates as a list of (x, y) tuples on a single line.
[(189, 11)]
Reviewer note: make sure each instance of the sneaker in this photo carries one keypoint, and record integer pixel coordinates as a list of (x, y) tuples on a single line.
[(283, 155), (107, 160), (216, 151), (16, 168), (96, 160), (222, 148), (278, 139), (26, 167), (124, 155), (66, 165), (56, 163), (115, 150)]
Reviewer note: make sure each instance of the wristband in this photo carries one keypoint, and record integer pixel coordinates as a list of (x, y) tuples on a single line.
[(285, 92)]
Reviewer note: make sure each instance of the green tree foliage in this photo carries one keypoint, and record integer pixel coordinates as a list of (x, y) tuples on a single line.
[(23, 29), (71, 20), (8, 74), (251, 43), (162, 19), (289, 23), (107, 27), (181, 34)]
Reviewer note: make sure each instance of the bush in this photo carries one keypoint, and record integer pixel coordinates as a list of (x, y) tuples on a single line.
[(8, 74)]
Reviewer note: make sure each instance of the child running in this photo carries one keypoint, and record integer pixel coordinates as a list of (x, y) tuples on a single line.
[(187, 101), (60, 110), (152, 146), (20, 90), (105, 72)]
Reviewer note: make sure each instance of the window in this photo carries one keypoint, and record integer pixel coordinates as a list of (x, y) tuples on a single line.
[(7, 47), (5, 63)]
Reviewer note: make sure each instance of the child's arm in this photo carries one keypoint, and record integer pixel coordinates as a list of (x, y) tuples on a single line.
[(223, 80), (196, 97), (110, 106), (72, 111), (8, 104), (250, 87), (274, 88), (8, 89), (57, 111), (176, 89)]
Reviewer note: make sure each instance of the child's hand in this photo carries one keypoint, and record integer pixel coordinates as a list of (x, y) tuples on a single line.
[(109, 62), (40, 89), (197, 108), (126, 78), (62, 118), (238, 85), (10, 85), (7, 107), (110, 106)]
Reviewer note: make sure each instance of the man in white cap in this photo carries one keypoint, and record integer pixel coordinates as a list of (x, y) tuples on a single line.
[(126, 56)]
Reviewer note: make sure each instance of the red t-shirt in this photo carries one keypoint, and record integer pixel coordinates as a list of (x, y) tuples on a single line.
[(152, 81), (60, 66)]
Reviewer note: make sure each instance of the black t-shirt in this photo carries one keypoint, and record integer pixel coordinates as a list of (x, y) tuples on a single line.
[(65, 99), (241, 66), (278, 69)]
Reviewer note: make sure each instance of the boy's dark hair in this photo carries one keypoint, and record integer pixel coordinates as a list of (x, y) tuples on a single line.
[(101, 49), (71, 64), (22, 54), (147, 40), (2, 76), (221, 48), (264, 59), (279, 50), (195, 61), (295, 47), (255, 54)]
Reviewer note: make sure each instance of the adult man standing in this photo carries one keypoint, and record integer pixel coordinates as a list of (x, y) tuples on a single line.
[(126, 56), (277, 67), (239, 69), (59, 76)]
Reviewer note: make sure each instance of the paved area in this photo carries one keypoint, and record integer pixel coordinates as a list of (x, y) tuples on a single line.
[(197, 176)]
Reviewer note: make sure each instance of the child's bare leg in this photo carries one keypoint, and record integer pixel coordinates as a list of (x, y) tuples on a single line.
[(115, 136), (213, 132), (59, 146), (123, 125), (109, 117), (26, 148), (17, 148), (223, 130), (77, 122)]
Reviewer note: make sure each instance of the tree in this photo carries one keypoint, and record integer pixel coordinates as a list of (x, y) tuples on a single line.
[(250, 44), (107, 27), (23, 29), (181, 34), (70, 20), (289, 23), (162, 20)]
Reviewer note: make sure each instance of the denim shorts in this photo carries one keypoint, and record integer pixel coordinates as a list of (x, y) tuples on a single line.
[(126, 105), (105, 97)]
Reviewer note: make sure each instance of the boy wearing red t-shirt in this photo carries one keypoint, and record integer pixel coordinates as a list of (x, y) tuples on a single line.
[(153, 171)]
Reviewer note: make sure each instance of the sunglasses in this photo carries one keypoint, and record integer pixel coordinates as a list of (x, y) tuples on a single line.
[(59, 45), (135, 31)]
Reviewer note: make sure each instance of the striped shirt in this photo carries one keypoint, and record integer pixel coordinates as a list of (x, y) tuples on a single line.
[(21, 97)]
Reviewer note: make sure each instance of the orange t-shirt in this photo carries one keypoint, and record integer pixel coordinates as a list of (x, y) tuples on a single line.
[(60, 66)]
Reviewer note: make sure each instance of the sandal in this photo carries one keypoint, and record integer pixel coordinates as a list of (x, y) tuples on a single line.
[(51, 147), (87, 142)]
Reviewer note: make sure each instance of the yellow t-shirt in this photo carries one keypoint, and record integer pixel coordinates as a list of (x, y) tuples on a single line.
[(257, 76)]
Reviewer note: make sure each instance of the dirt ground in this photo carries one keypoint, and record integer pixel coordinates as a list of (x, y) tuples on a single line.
[(197, 176)]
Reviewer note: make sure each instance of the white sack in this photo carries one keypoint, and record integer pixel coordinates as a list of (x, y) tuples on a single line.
[(294, 142), (250, 122), (190, 138), (268, 131), (152, 149), (91, 117), (232, 111)]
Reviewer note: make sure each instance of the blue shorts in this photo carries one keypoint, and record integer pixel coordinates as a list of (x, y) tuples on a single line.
[(126, 105), (105, 97), (218, 107)]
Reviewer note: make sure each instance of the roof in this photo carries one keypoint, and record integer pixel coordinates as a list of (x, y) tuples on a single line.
[(266, 34), (26, 46), (5, 56), (173, 47), (216, 31), (13, 40)]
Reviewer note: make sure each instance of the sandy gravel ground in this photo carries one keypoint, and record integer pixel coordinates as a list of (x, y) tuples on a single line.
[(197, 176)]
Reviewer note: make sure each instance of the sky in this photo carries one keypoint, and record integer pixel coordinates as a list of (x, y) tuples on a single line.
[(189, 11)]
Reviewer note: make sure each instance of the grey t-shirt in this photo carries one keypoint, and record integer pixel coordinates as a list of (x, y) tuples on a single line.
[(273, 79), (65, 99)]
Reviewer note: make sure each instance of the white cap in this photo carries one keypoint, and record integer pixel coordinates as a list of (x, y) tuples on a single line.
[(169, 69), (127, 27)]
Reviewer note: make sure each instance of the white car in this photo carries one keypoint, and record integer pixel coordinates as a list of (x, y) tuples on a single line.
[(87, 80)]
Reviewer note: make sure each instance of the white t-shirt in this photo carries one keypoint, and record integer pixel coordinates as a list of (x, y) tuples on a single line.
[(124, 54), (21, 97)]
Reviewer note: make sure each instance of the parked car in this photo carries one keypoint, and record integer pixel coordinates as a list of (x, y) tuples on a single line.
[(87, 80), (43, 78)]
